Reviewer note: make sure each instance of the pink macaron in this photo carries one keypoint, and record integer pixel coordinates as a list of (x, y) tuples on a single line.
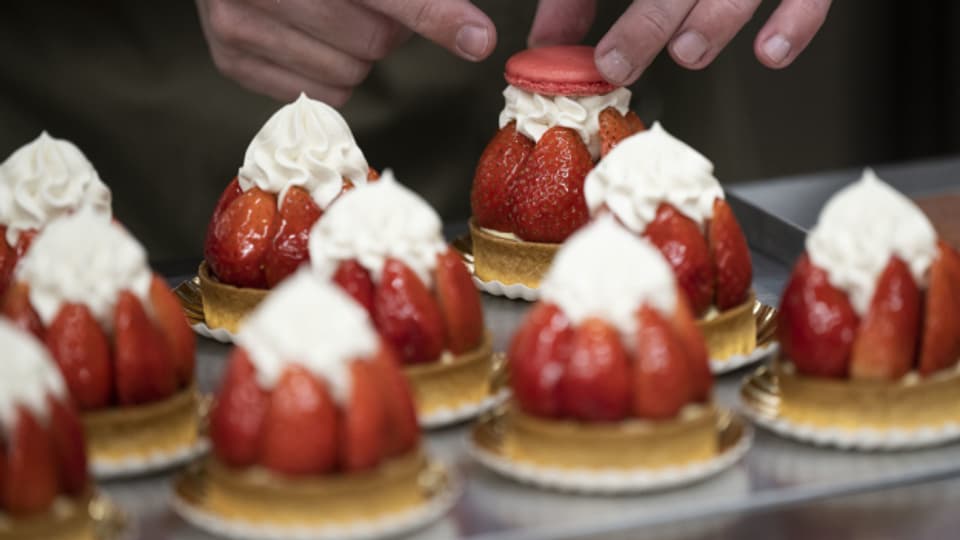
[(564, 70)]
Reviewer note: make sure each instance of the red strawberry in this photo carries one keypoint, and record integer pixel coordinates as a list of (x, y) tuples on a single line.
[(181, 341), (497, 167), (288, 249), (355, 279), (372, 175), (402, 428), (940, 340), (31, 479), (816, 325), (69, 446), (538, 356), (545, 200), (634, 122), (17, 308), (680, 241), (614, 127), (82, 351), (364, 420), (300, 432), (691, 339), (731, 257), (407, 315), (239, 240), (25, 241), (229, 194), (142, 358), (661, 373), (459, 302), (237, 416), (8, 261), (596, 382)]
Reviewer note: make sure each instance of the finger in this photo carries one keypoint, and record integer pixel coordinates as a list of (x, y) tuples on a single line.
[(789, 30), (561, 22), (637, 37), (457, 25), (708, 28)]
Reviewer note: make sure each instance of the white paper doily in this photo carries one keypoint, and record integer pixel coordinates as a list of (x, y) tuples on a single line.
[(762, 353), (515, 291), (447, 417), (107, 469), (218, 334)]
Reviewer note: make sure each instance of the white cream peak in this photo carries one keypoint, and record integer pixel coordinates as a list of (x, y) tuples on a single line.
[(28, 375)]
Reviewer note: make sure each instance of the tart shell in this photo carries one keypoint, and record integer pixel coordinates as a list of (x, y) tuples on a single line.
[(510, 261), (225, 306), (732, 332), (84, 517)]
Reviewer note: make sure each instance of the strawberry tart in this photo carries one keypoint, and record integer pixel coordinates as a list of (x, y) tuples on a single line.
[(664, 190), (41, 181), (869, 324), (119, 336), (302, 159), (560, 117), (383, 244)]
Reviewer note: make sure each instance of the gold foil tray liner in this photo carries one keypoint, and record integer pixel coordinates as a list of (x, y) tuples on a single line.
[(454, 381), (506, 260), (225, 306), (87, 517), (735, 331)]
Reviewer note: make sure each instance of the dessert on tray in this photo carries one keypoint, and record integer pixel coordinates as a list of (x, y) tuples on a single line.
[(41, 181), (560, 117), (662, 189), (383, 244), (313, 427), (302, 159), (119, 336)]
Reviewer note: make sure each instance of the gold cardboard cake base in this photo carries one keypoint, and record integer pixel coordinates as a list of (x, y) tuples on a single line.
[(453, 381), (87, 517), (509, 261), (225, 306), (121, 434), (732, 332)]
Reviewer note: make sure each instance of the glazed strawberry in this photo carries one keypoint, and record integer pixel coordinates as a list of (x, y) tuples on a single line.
[(459, 303), (817, 324), (364, 420), (691, 339), (82, 350), (69, 447), (634, 122), (181, 341), (141, 356), (407, 315), (614, 127), (239, 240), (537, 359), (661, 380), (595, 385), (237, 417), (498, 165), (940, 341), (731, 257), (352, 277), (401, 416), (232, 191), (545, 200), (17, 308), (680, 241), (31, 480), (8, 261), (288, 249)]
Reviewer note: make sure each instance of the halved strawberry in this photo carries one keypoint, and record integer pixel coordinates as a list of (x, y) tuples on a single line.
[(364, 420), (816, 324), (691, 339), (82, 350), (231, 192), (614, 127), (8, 261), (634, 122), (17, 308), (681, 242), (596, 382), (496, 169), (661, 373), (237, 416), (31, 479), (25, 241), (288, 248), (402, 429), (355, 279), (730, 255), (239, 240), (459, 303), (173, 324), (142, 358), (537, 358), (372, 174), (407, 315), (545, 199), (300, 432), (69, 446), (940, 341)]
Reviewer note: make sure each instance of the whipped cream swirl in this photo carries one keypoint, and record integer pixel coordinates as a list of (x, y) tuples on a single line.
[(28, 375), (308, 144), (647, 169), (310, 322), (536, 113), (46, 179), (84, 258), (860, 228), (374, 222), (625, 272)]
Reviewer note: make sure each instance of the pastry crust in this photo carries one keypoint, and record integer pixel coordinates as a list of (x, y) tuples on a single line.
[(453, 381), (732, 332), (66, 519), (225, 306), (509, 261)]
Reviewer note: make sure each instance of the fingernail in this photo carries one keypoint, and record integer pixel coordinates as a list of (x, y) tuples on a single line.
[(689, 47), (776, 49), (472, 41), (615, 66)]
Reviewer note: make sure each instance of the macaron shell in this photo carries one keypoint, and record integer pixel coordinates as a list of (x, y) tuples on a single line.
[(567, 70)]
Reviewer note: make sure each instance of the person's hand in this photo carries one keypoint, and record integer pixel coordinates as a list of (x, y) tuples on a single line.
[(694, 31), (327, 47)]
